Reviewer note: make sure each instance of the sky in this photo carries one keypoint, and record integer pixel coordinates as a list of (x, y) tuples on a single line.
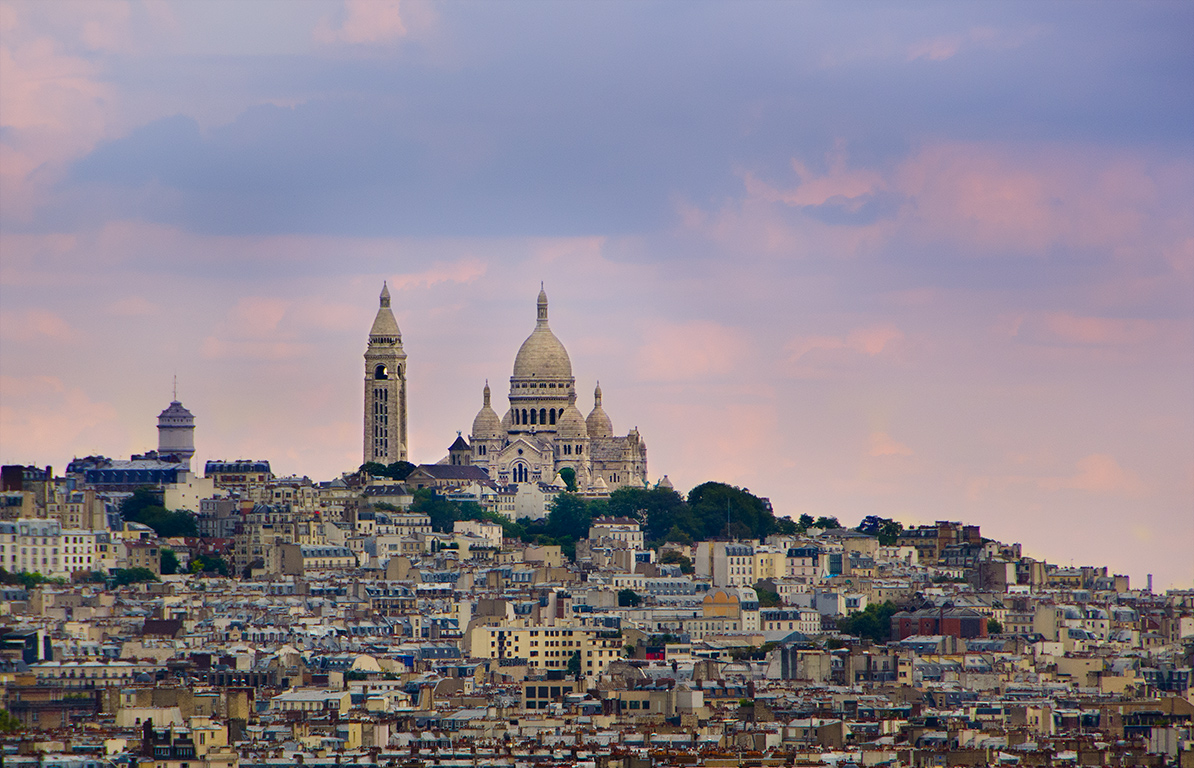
[(929, 261)]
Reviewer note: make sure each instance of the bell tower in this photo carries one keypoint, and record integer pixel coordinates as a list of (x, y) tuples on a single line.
[(385, 388)]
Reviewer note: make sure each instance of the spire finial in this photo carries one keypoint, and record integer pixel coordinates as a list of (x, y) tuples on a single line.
[(487, 393), (597, 395), (384, 299), (176, 387), (542, 304)]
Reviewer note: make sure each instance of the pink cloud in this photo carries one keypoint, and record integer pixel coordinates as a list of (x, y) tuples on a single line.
[(869, 341), (365, 22), (882, 444), (464, 270), (34, 325), (989, 38), (41, 418), (689, 351), (1097, 473)]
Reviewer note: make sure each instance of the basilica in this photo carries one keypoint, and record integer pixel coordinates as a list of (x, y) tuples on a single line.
[(541, 434)]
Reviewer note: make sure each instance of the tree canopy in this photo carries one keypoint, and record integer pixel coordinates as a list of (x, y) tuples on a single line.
[(145, 507), (396, 471), (874, 622)]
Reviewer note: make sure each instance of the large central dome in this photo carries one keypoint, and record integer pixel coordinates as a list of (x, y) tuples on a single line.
[(542, 356)]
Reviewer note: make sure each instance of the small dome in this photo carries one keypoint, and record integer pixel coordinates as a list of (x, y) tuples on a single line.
[(598, 423), (599, 485), (571, 425), (486, 426), (542, 355), (507, 421), (665, 483)]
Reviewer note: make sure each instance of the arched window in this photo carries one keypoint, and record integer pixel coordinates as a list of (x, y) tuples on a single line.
[(552, 415), (542, 415), (380, 372), (532, 415), (520, 473), (524, 416)]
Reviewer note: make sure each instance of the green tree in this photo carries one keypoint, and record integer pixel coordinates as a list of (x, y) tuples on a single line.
[(210, 564), (874, 622), (628, 598), (399, 470), (674, 557), (396, 471), (574, 665), (125, 576), (8, 722), (169, 562), (569, 475), (805, 522), (713, 505), (827, 523), (786, 526), (569, 519), (658, 509), (994, 627), (442, 511), (144, 507), (767, 598)]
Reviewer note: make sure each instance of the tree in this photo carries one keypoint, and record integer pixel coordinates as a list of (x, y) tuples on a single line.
[(658, 509), (399, 470), (628, 598), (719, 509), (827, 523), (169, 562), (569, 475), (396, 471), (873, 623), (210, 564), (767, 598), (125, 576), (574, 665), (373, 469), (885, 529), (8, 722), (441, 510), (569, 519), (805, 522), (673, 557), (146, 508), (994, 627)]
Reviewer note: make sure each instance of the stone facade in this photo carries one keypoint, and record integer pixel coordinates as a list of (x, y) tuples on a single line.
[(385, 388), (543, 432)]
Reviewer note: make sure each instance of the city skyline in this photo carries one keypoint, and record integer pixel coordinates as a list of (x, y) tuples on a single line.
[(929, 263)]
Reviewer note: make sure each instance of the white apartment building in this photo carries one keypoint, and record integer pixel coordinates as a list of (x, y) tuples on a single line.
[(45, 547)]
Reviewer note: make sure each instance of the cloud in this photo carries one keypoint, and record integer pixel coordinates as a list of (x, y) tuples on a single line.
[(815, 356), (945, 47), (689, 351), (464, 270), (882, 444), (34, 325), (364, 22), (1097, 473), (41, 417)]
